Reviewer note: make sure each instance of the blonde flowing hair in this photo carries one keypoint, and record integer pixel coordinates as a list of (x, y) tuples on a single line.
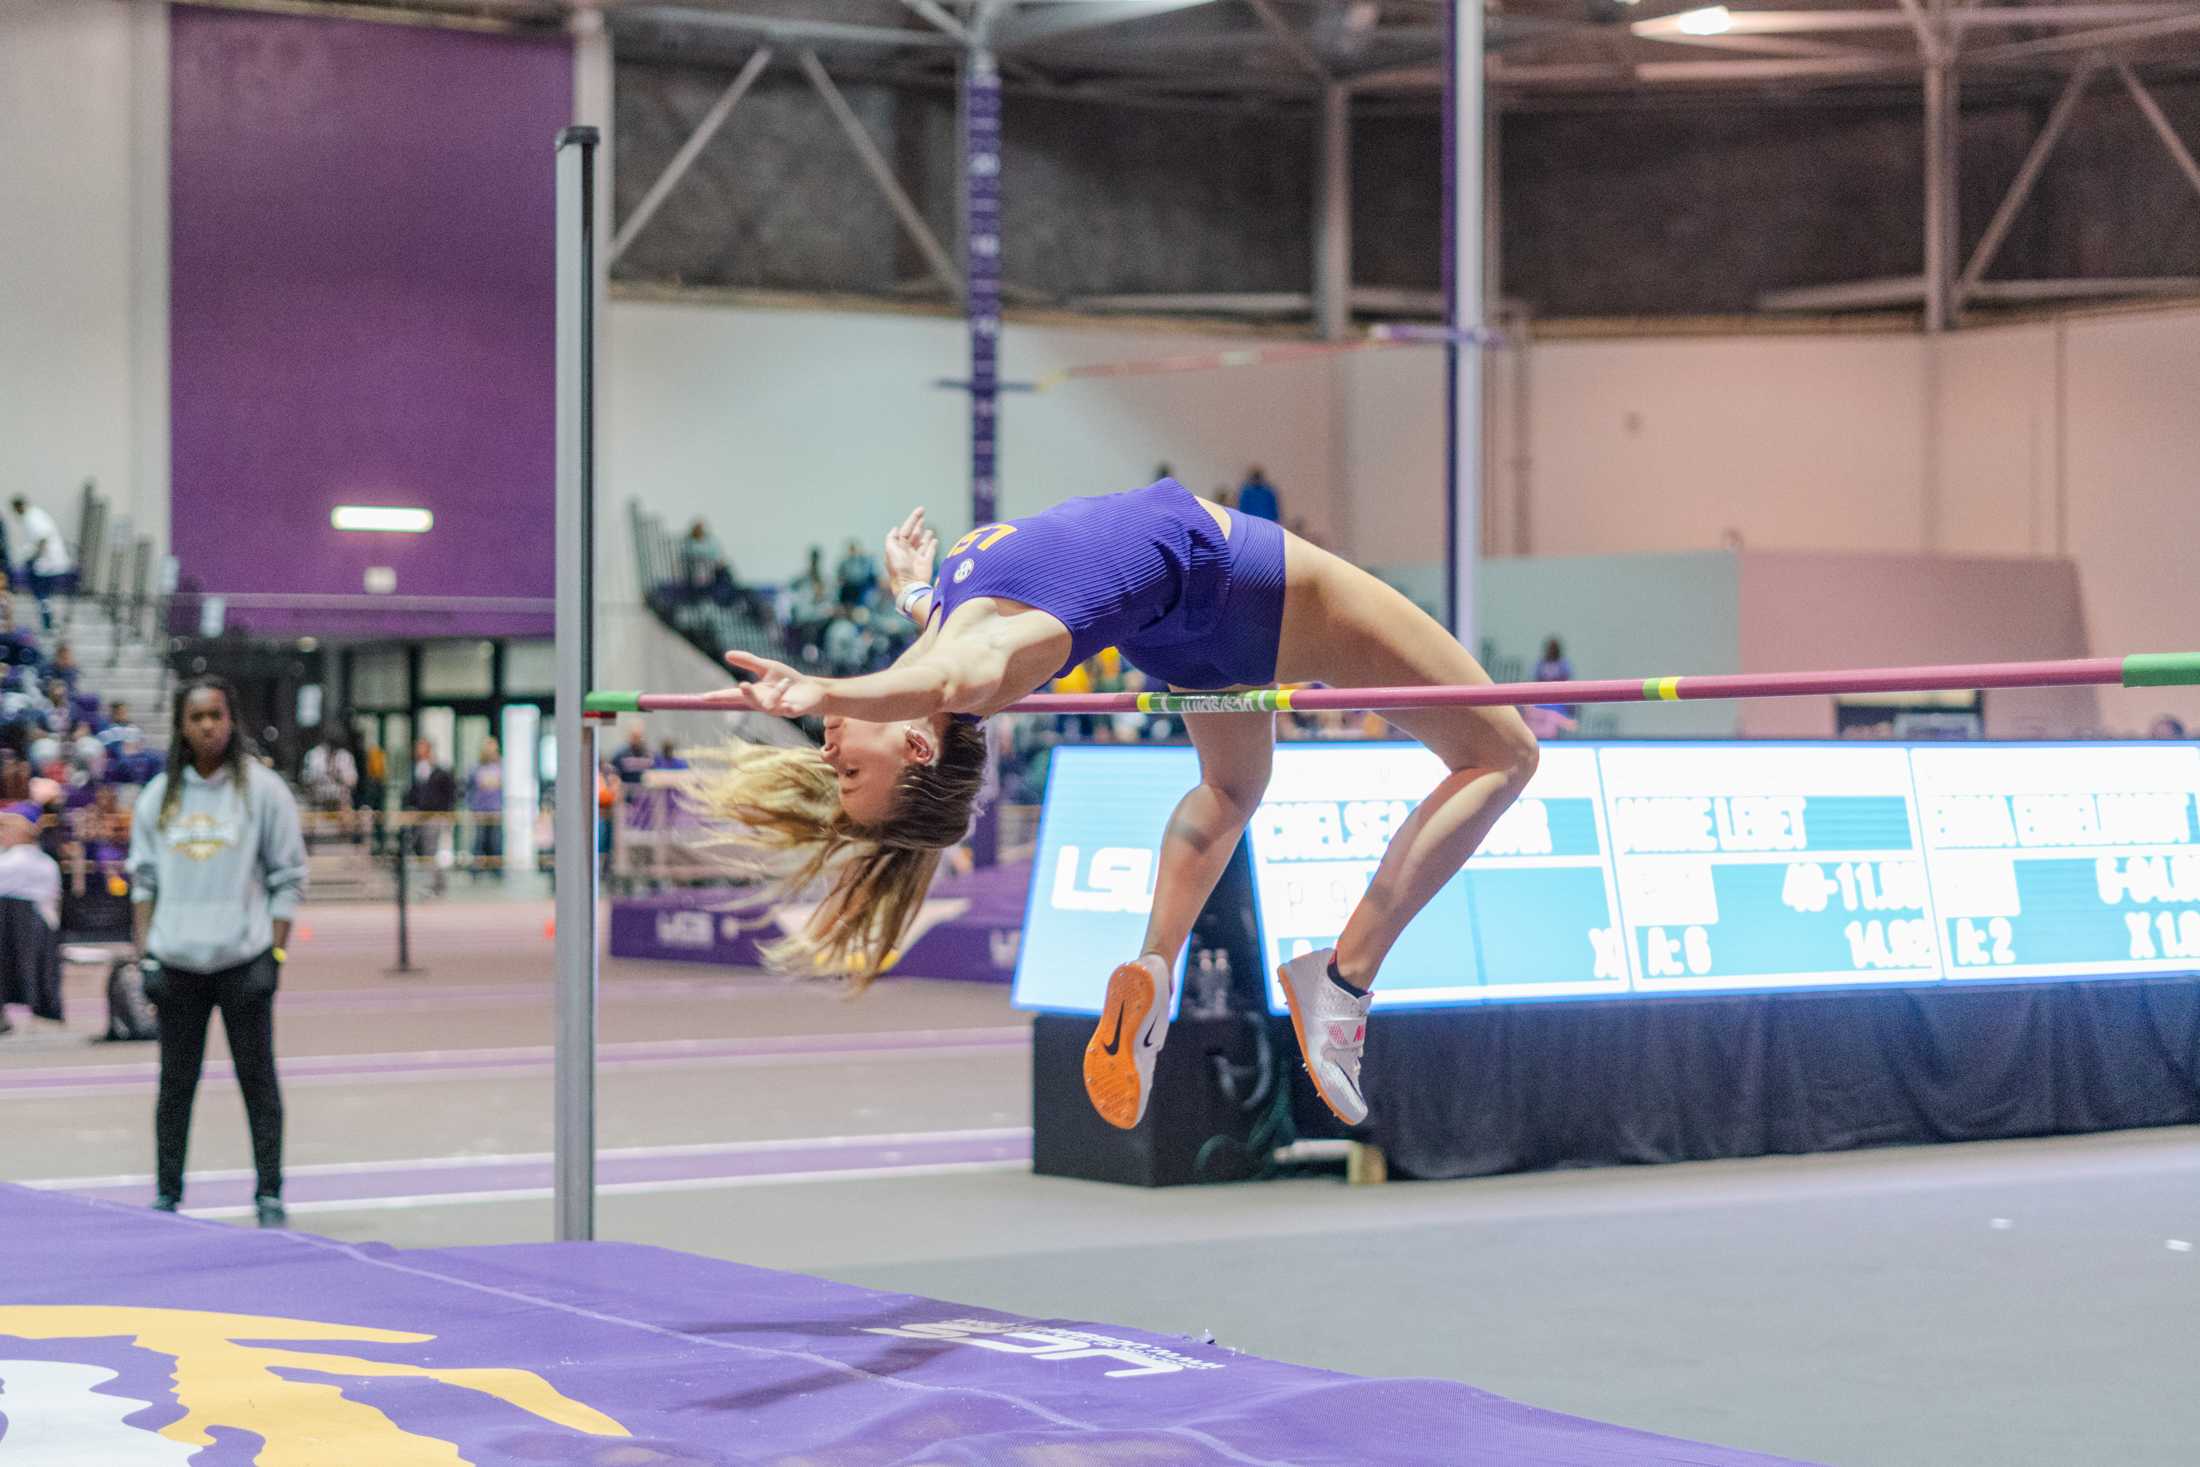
[(788, 802)]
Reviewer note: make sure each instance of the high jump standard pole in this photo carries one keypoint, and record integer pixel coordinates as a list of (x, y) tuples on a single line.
[(574, 834)]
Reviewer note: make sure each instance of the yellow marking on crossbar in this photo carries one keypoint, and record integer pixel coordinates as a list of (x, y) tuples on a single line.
[(1668, 689)]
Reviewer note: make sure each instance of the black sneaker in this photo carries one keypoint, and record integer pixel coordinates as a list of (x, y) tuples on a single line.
[(272, 1212), (167, 1202)]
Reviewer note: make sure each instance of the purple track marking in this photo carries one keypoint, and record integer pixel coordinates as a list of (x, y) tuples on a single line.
[(333, 1187), (436, 1064), (602, 1352)]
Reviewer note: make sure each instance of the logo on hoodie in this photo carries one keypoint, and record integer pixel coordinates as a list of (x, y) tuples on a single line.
[(201, 835)]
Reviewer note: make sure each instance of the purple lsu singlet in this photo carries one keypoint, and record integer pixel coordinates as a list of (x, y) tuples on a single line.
[(1148, 572)]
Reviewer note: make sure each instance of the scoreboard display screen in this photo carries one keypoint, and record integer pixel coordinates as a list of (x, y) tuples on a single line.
[(1660, 868)]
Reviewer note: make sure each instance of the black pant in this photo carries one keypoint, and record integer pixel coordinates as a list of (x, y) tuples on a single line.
[(247, 1000)]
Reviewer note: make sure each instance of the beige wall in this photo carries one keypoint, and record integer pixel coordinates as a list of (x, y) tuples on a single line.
[(2084, 435), (1802, 611), (83, 234), (1795, 443)]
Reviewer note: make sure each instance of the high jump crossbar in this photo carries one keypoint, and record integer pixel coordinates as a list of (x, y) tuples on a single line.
[(2139, 670)]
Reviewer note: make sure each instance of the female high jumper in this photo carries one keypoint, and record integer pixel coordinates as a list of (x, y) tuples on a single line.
[(1195, 596)]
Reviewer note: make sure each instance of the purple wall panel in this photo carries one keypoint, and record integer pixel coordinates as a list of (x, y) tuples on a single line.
[(362, 310)]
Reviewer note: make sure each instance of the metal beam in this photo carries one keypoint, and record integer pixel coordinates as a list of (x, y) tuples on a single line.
[(1273, 22), (1033, 24), (2020, 188), (1465, 200), (2047, 290), (2161, 123), (1792, 22), (690, 150), (789, 31), (1847, 295), (1978, 17), (937, 16), (1764, 45), (1941, 118), (983, 240), (1216, 303), (1914, 13), (1698, 73), (1333, 215), (882, 173), (2086, 40)]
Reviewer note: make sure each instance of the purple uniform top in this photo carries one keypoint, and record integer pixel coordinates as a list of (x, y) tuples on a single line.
[(1148, 572)]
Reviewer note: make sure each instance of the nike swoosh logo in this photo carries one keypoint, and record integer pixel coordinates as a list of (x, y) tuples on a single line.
[(1117, 1042), (1145, 1040)]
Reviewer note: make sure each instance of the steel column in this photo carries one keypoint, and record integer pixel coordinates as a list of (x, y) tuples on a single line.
[(574, 1146)]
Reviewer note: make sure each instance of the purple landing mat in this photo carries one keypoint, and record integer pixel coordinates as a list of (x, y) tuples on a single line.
[(134, 1337), (970, 927)]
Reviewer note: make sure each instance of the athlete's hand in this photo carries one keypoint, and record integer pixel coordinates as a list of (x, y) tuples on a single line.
[(778, 689), (911, 548)]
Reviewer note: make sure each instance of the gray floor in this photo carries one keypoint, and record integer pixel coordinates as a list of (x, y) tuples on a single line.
[(2017, 1304)]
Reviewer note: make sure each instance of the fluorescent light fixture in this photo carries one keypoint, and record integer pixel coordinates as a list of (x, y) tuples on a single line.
[(382, 517), (1711, 20)]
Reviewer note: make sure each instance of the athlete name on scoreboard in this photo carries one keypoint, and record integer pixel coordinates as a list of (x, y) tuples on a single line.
[(1743, 866), (2063, 860)]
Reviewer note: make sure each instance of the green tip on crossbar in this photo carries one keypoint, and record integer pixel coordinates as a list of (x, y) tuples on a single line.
[(2162, 669), (612, 703)]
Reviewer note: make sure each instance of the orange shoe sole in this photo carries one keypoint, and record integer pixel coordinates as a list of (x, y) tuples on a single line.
[(1111, 1079), (1291, 1001)]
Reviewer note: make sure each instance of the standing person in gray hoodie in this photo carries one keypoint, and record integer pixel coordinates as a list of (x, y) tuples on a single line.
[(217, 866)]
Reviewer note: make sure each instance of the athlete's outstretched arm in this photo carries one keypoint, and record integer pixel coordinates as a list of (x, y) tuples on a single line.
[(1235, 751), (947, 671)]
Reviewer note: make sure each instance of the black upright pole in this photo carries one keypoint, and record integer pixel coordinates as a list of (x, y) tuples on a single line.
[(404, 927)]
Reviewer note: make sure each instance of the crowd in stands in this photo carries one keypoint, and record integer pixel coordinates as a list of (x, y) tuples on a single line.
[(70, 763)]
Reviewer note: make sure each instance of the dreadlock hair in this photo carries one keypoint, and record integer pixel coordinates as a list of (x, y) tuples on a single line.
[(179, 751), (788, 800)]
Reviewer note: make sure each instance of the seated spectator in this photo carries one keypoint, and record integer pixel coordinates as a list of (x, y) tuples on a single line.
[(635, 760), (100, 838), (86, 751), (56, 719), (702, 563), (2167, 727), (64, 668), (1553, 667), (668, 756), (119, 729), (858, 574), (133, 763), (1257, 497), (25, 870), (809, 608), (849, 645)]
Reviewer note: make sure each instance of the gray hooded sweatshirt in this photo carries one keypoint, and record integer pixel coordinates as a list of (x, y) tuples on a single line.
[(222, 872)]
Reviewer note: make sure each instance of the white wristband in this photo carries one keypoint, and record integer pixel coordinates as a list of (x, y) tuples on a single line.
[(906, 602)]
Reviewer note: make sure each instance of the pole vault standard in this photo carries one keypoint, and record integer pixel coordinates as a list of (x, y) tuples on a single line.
[(574, 1145), (2140, 670)]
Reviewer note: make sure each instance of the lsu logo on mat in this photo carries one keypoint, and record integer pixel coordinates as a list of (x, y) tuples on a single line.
[(1053, 1344), (234, 1373)]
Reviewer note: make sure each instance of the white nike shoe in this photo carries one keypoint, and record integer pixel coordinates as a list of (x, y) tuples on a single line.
[(1134, 1023), (1332, 1029)]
